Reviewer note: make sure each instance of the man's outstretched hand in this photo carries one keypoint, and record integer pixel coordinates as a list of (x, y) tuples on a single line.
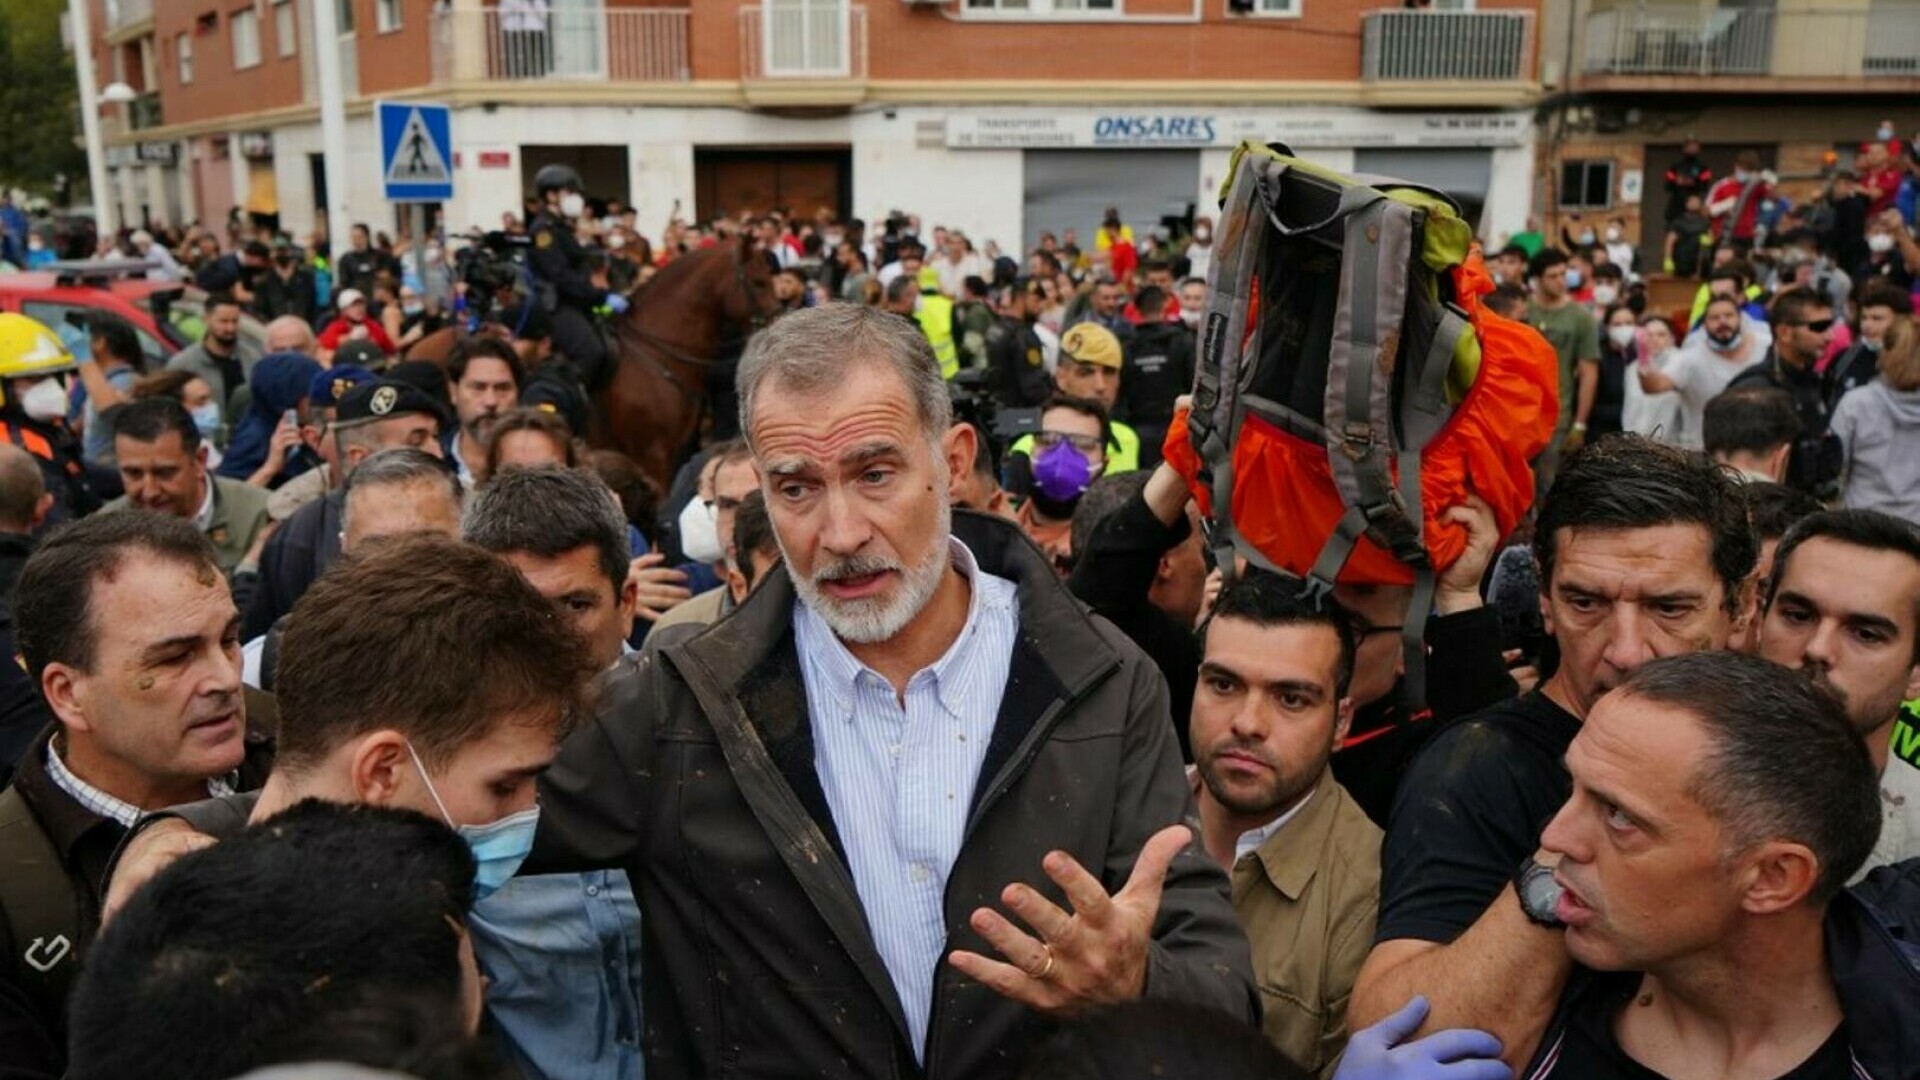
[(1095, 956), (1381, 1052)]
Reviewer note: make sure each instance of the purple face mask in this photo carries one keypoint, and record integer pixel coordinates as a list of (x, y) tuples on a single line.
[(1061, 472)]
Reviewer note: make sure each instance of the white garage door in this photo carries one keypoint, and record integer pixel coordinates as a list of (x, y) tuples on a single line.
[(1071, 189)]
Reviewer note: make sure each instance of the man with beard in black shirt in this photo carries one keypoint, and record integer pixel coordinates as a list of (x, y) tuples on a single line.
[(1645, 550)]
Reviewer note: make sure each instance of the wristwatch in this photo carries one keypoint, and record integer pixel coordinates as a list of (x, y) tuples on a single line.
[(1539, 894)]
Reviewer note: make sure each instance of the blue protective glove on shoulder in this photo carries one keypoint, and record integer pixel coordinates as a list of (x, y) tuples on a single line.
[(1379, 1052), (617, 303)]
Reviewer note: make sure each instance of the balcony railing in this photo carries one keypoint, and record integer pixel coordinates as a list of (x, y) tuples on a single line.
[(1423, 46), (803, 39), (1753, 42), (576, 44), (144, 111)]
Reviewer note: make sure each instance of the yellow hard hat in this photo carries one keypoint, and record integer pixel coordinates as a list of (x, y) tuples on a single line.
[(29, 350)]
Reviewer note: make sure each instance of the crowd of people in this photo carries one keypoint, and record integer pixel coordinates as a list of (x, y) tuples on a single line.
[(368, 720)]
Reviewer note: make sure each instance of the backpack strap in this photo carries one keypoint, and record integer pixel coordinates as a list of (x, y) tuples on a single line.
[(41, 908)]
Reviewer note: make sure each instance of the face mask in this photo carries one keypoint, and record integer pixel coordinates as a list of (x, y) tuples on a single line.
[(206, 418), (1885, 133), (616, 242), (1880, 243), (1191, 317), (413, 309), (1742, 175), (1605, 294), (46, 400), (1621, 336), (1573, 279), (36, 244), (699, 533), (1586, 238), (1722, 344), (1061, 472), (498, 847), (1202, 236), (1613, 234), (572, 204), (433, 254)]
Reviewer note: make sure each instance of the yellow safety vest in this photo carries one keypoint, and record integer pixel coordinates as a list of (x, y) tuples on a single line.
[(1123, 453), (935, 316)]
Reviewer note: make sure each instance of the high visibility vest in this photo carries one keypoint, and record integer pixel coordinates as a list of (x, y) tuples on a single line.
[(1123, 453), (935, 316)]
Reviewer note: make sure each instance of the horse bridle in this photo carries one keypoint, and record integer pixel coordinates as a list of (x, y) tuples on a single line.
[(755, 323)]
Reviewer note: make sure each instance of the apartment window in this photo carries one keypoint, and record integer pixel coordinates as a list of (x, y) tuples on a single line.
[(286, 37), (183, 50), (386, 16), (1586, 185), (1271, 9), (344, 20), (245, 25), (1044, 7)]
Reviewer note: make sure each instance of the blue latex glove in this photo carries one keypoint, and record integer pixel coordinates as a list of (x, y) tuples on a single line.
[(1379, 1053), (617, 303)]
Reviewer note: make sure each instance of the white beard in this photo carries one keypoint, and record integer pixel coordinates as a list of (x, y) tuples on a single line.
[(874, 619)]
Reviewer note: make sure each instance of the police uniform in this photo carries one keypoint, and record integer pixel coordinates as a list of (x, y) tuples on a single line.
[(1018, 360), (568, 294)]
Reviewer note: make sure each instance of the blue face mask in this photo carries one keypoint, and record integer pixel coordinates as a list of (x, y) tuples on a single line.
[(498, 848), (1573, 279), (206, 418)]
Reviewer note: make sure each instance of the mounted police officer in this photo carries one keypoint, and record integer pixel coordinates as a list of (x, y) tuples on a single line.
[(567, 290)]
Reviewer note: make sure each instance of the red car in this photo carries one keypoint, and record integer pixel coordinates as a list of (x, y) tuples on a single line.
[(166, 315)]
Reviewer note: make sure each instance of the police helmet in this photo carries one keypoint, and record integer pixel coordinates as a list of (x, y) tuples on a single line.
[(557, 178)]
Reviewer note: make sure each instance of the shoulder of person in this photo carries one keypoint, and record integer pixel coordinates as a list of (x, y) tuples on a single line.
[(1496, 741)]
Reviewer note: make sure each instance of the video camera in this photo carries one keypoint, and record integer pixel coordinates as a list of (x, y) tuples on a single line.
[(489, 266), (973, 402)]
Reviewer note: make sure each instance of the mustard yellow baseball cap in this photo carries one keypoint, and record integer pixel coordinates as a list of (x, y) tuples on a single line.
[(1091, 343)]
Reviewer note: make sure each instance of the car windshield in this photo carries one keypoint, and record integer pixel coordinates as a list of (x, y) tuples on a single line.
[(187, 314)]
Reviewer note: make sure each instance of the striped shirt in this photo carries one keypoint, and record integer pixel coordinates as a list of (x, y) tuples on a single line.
[(899, 776), (108, 806)]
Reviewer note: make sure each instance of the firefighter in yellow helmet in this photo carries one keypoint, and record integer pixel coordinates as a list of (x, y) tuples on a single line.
[(34, 369)]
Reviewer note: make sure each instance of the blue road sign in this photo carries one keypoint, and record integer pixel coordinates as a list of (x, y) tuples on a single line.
[(416, 151)]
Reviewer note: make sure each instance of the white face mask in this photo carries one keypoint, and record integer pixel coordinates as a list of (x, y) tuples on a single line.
[(573, 204), (1621, 336), (1190, 316), (1880, 243), (45, 401), (1613, 234), (700, 533), (1605, 294), (1203, 236), (616, 242)]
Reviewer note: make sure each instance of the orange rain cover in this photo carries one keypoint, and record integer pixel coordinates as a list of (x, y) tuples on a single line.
[(1285, 502)]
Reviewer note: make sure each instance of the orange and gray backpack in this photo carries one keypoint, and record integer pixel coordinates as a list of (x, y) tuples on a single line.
[(1350, 387)]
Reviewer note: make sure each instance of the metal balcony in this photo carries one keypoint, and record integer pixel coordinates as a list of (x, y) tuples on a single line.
[(1453, 46), (1746, 44), (631, 45), (144, 111)]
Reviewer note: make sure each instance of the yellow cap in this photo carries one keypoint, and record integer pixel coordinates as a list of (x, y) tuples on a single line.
[(1090, 343), (28, 348)]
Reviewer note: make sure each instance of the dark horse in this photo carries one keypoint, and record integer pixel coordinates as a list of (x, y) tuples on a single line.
[(697, 311)]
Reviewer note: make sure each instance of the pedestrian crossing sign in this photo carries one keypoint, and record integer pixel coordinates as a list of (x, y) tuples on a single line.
[(416, 151)]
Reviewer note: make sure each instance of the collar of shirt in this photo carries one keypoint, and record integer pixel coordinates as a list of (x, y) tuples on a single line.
[(203, 518), (843, 669), (108, 806), (1253, 839)]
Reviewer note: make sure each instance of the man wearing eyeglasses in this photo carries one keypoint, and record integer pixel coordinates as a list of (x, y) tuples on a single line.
[(1067, 454), (1802, 322)]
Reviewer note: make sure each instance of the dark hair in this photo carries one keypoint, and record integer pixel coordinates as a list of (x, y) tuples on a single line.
[(1774, 508), (21, 487), (1513, 251), (1085, 407), (1749, 419), (1869, 529), (166, 384), (437, 639), (232, 950), (1144, 1040), (256, 250), (753, 533), (479, 347), (220, 300), (538, 421), (1151, 300), (902, 287), (1783, 761), (1632, 482), (115, 337), (1609, 272), (1878, 292), (1739, 305), (639, 496), (395, 1030), (1267, 599), (548, 512), (1507, 300), (1104, 497), (51, 600), (1547, 259), (1790, 307), (1738, 271), (147, 420)]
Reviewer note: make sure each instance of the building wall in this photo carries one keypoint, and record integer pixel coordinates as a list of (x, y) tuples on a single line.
[(217, 88)]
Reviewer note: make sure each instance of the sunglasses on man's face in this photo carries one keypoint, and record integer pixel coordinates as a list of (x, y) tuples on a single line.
[(1818, 326)]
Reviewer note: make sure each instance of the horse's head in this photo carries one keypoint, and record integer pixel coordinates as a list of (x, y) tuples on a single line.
[(750, 302)]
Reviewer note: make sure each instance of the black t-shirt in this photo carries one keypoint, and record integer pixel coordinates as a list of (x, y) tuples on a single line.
[(1581, 1045), (1159, 370), (1469, 811)]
